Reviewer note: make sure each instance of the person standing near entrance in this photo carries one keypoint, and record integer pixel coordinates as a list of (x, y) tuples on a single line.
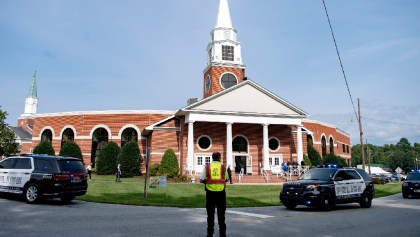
[(214, 178), (229, 171), (118, 173), (89, 170)]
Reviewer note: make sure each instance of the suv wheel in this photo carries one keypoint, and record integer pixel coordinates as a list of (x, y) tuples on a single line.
[(66, 198), (32, 193), (326, 202), (366, 201)]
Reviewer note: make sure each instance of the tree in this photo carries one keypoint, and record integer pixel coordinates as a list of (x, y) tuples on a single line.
[(8, 145), (107, 160), (130, 159), (44, 148), (169, 165), (333, 159), (314, 156), (71, 149)]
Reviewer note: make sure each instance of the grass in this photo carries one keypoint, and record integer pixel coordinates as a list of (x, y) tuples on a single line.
[(130, 191)]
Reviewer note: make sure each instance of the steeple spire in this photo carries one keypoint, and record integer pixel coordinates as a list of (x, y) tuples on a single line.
[(223, 16), (33, 91)]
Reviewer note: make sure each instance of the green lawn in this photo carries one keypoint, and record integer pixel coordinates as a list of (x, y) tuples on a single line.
[(131, 192)]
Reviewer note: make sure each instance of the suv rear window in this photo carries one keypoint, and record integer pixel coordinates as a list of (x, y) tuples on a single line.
[(71, 166)]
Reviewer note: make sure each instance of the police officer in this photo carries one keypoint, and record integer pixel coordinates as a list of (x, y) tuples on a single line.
[(214, 178)]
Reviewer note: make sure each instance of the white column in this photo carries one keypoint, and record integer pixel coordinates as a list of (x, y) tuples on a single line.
[(229, 155), (266, 165), (299, 144), (190, 149)]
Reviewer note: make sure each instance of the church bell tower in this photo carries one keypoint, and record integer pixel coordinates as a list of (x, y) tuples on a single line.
[(224, 67)]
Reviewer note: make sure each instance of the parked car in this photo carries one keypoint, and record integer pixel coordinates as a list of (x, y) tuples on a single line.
[(42, 176), (411, 185), (326, 187)]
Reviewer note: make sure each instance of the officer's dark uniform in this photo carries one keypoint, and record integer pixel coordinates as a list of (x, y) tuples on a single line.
[(215, 180)]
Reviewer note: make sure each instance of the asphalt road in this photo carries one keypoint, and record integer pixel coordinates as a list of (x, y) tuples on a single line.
[(390, 216)]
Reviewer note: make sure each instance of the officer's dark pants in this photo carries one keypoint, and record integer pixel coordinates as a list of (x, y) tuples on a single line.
[(216, 200)]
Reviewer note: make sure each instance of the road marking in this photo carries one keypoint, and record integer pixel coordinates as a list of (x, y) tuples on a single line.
[(249, 214)]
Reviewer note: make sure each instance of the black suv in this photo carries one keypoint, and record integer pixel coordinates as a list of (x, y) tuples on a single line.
[(37, 176), (411, 185), (326, 187)]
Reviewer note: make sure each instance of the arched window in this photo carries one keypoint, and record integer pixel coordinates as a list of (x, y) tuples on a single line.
[(99, 139), (129, 134), (309, 140), (46, 136), (240, 144), (68, 136), (324, 146), (331, 145)]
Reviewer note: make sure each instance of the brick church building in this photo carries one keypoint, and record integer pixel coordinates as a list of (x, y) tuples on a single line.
[(254, 129)]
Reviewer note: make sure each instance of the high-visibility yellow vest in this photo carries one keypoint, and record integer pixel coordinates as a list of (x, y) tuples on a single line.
[(215, 177)]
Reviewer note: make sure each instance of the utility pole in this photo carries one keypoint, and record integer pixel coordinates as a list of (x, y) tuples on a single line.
[(368, 153), (361, 135)]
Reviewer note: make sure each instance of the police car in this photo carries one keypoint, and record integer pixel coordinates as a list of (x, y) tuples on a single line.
[(411, 185), (327, 186), (41, 176)]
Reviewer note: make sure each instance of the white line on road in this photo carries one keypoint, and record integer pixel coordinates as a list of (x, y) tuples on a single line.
[(249, 214)]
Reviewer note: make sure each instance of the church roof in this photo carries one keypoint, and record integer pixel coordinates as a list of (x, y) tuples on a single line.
[(21, 133), (245, 99)]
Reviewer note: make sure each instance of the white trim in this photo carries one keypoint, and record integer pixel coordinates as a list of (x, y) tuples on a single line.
[(68, 126), (241, 118), (101, 126), (129, 126), (278, 148), (198, 139), (247, 147), (221, 76), (45, 128), (105, 112)]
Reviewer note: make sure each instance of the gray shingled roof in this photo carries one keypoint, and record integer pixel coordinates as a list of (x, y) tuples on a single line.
[(21, 133)]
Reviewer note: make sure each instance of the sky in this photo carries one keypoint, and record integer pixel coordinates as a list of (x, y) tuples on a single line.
[(150, 55)]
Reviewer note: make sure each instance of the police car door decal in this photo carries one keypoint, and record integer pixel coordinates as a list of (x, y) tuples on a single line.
[(351, 186)]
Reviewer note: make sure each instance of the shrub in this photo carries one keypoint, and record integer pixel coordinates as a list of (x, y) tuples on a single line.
[(107, 160), (130, 159), (181, 178), (314, 156), (154, 169), (307, 160), (71, 149), (169, 165), (44, 148), (333, 159)]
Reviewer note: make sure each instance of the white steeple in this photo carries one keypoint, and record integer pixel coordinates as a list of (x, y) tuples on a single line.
[(31, 102), (223, 16), (224, 49)]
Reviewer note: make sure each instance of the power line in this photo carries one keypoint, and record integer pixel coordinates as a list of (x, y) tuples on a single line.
[(391, 122), (339, 58)]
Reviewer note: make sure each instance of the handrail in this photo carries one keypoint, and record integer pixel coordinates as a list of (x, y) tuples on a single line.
[(265, 175)]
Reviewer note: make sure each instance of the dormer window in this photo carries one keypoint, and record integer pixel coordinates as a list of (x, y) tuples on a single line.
[(227, 53)]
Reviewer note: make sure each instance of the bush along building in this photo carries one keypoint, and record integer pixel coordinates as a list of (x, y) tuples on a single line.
[(254, 129)]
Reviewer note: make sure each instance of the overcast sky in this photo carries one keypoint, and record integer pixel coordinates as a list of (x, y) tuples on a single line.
[(150, 55)]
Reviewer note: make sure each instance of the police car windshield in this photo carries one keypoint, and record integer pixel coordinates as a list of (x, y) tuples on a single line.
[(318, 174), (413, 176)]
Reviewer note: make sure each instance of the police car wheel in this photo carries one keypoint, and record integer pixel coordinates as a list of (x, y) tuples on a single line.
[(327, 202), (405, 195), (32, 193), (290, 205), (66, 198), (366, 201)]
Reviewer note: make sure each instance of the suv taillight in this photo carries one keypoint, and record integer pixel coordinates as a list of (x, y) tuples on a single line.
[(61, 176)]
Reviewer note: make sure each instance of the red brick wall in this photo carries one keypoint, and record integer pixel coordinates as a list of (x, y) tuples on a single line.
[(339, 138), (216, 73)]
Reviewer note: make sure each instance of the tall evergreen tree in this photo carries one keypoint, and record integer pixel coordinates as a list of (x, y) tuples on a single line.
[(169, 165), (71, 149), (44, 148), (130, 159), (8, 145), (107, 160)]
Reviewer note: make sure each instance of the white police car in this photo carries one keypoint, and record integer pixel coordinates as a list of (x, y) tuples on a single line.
[(37, 176), (326, 187)]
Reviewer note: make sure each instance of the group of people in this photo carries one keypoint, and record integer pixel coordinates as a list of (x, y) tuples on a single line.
[(117, 172)]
